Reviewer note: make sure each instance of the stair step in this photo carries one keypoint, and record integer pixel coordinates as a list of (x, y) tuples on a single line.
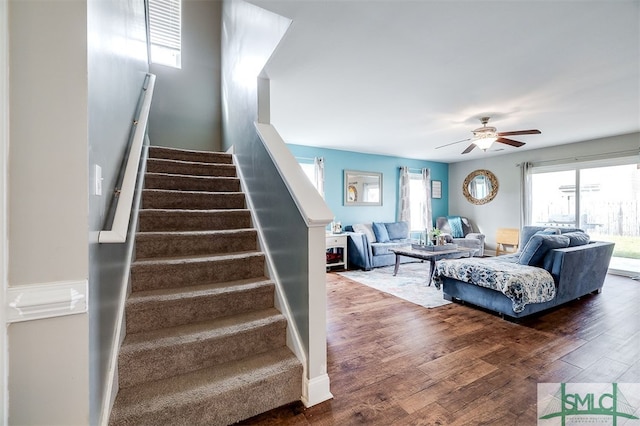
[(164, 199), (181, 272), (219, 395), (190, 155), (191, 183), (154, 309), (161, 220), (167, 352), (190, 168), (194, 243)]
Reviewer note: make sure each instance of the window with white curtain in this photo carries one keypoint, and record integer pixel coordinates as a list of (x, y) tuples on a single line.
[(417, 201), (165, 32), (310, 168)]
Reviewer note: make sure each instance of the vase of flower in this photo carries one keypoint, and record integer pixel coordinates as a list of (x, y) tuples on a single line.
[(433, 235)]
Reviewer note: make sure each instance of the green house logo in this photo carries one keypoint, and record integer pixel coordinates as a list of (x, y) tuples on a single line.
[(589, 403)]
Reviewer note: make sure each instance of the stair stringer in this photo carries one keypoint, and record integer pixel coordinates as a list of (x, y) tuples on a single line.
[(294, 341)]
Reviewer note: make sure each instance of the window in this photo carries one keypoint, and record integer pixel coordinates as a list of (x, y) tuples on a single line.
[(313, 168), (602, 198), (165, 32)]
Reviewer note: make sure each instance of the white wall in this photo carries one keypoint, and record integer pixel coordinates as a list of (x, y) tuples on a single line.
[(4, 142), (186, 110), (504, 210), (48, 205)]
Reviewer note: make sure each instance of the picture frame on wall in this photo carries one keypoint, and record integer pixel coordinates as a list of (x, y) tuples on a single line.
[(362, 188), (436, 189)]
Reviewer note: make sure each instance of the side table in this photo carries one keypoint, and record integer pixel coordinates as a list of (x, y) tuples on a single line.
[(336, 250)]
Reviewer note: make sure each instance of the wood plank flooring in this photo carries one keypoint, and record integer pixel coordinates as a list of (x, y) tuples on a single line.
[(395, 363)]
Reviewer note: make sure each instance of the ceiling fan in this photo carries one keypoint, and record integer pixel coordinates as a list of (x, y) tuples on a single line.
[(485, 136)]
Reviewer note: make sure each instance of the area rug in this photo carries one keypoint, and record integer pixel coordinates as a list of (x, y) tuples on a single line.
[(409, 284)]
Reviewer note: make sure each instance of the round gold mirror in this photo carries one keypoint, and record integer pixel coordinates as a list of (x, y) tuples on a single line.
[(480, 187)]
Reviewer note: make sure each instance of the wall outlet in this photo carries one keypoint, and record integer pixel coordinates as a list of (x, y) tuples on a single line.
[(97, 179)]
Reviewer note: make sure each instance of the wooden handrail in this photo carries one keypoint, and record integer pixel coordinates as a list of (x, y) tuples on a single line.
[(120, 225)]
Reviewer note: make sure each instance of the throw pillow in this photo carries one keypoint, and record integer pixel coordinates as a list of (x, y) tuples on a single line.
[(366, 229), (397, 230), (549, 231), (381, 232), (577, 238), (537, 247)]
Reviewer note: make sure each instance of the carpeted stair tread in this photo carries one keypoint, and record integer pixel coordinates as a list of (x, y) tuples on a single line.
[(219, 395), (168, 199), (147, 274), (168, 336), (190, 155), (191, 183), (190, 168), (193, 220), (166, 352), (194, 243), (210, 257), (153, 309)]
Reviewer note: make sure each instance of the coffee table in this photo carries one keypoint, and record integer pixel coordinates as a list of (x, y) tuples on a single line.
[(431, 256)]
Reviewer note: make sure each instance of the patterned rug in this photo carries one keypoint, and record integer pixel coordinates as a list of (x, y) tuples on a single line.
[(410, 284)]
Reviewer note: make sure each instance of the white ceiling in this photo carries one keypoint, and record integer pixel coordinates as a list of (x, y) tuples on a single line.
[(403, 77)]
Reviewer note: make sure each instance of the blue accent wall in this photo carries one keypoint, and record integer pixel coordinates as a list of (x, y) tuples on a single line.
[(336, 161)]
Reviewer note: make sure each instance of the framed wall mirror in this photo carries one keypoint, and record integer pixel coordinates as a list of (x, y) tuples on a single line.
[(480, 187), (362, 188)]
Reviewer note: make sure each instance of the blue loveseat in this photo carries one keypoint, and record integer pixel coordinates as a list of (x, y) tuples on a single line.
[(549, 270), (368, 244)]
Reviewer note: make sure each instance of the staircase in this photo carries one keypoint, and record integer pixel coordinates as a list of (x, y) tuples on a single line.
[(204, 344)]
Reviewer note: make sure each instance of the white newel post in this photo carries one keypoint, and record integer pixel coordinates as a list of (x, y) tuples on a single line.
[(316, 387)]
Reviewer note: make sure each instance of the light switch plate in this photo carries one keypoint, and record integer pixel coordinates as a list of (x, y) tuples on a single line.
[(97, 180)]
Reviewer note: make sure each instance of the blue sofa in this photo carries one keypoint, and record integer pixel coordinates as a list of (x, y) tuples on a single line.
[(576, 269), (368, 244)]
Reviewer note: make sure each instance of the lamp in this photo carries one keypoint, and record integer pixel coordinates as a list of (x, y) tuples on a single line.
[(485, 140)]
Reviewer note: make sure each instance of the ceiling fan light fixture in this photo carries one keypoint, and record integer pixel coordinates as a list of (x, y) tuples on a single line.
[(485, 141)]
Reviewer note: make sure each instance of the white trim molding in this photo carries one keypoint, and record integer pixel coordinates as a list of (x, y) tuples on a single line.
[(47, 300), (316, 390)]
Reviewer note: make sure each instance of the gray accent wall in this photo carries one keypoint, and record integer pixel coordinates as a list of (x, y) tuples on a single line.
[(250, 36), (504, 210), (186, 112), (117, 65)]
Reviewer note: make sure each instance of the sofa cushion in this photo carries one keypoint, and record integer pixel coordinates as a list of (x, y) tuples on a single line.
[(397, 230), (379, 249), (382, 236), (535, 250), (366, 229), (577, 238)]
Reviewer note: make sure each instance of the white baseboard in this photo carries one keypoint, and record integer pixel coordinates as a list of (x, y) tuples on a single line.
[(46, 300), (317, 390)]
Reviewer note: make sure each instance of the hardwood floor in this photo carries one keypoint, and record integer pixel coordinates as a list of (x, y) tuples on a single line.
[(395, 363)]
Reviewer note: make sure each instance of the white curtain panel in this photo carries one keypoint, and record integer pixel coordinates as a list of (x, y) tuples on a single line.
[(427, 215), (525, 194), (318, 163), (404, 210)]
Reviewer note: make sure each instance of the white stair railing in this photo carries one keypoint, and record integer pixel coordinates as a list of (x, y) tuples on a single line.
[(120, 225)]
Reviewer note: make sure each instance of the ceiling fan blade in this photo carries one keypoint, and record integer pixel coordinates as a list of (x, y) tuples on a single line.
[(452, 143), (469, 148), (520, 132), (510, 142)]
